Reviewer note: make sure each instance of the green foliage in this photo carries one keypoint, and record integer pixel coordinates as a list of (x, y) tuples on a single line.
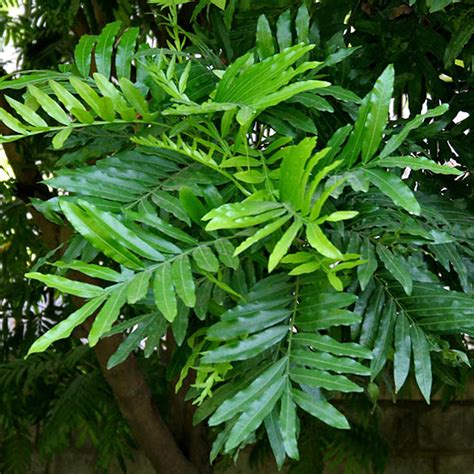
[(298, 241), (73, 401)]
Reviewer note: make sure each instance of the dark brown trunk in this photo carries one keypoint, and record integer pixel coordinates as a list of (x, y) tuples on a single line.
[(136, 404)]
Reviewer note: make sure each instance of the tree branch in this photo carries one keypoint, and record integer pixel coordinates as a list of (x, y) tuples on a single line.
[(127, 381)]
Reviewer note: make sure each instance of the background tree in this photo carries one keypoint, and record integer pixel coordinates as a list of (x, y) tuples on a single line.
[(409, 258)]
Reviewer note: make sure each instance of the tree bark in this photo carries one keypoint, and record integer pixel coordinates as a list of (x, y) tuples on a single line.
[(136, 404)]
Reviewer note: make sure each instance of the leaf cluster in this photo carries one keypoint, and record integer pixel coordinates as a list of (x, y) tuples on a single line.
[(284, 231)]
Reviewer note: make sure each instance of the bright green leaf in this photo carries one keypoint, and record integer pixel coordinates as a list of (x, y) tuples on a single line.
[(163, 288), (64, 285), (320, 242), (64, 328), (108, 314), (138, 287), (282, 246), (183, 280)]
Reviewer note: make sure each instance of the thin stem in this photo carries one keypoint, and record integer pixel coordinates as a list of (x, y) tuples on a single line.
[(210, 277), (292, 323), (394, 299)]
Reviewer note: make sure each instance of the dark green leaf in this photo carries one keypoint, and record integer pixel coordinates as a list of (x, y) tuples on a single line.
[(324, 319), (128, 346), (395, 189), (284, 36), (322, 379), (203, 296), (238, 403), (288, 423), (320, 409), (225, 251), (247, 322), (324, 361), (275, 437), (383, 340), (254, 415), (315, 299), (377, 116), (459, 39), (397, 140), (104, 46), (156, 331), (312, 100), (247, 348), (401, 357), (372, 317), (422, 360), (328, 344), (454, 257), (163, 226), (127, 324), (397, 266), (116, 233), (265, 46), (180, 324), (170, 204), (366, 270), (438, 309), (341, 94)]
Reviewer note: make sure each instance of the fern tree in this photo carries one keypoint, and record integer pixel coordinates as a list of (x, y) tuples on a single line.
[(276, 235)]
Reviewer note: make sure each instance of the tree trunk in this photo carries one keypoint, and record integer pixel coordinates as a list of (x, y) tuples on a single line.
[(136, 404)]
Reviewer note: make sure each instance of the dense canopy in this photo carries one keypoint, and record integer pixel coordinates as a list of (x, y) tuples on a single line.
[(257, 214)]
